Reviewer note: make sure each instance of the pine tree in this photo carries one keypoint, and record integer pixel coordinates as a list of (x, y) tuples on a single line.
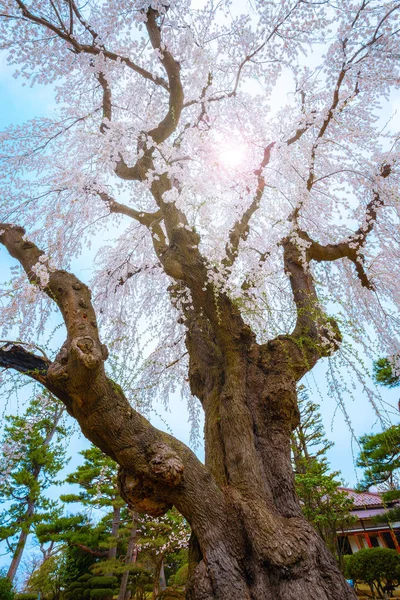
[(97, 478), (33, 452), (380, 458), (324, 504), (386, 373)]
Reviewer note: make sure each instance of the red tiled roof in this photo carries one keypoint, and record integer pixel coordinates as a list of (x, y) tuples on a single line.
[(363, 498)]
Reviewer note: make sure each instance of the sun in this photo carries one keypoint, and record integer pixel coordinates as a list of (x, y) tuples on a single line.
[(231, 156)]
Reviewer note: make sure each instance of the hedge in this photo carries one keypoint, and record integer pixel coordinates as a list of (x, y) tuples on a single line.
[(101, 593), (75, 585), (103, 581)]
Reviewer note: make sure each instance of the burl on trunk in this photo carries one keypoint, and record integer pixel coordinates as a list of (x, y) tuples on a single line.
[(249, 538)]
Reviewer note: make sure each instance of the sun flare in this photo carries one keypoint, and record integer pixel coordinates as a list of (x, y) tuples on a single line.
[(232, 156)]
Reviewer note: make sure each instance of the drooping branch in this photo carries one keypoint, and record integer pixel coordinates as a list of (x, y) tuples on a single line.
[(337, 106), (150, 220), (241, 228), (247, 59), (156, 469), (314, 331), (352, 247), (94, 49), (169, 123)]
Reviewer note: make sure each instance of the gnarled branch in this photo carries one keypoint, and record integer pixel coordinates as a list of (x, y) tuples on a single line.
[(240, 230), (351, 248), (156, 469), (170, 122), (95, 50)]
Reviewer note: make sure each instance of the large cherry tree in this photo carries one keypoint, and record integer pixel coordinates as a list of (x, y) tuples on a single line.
[(235, 218)]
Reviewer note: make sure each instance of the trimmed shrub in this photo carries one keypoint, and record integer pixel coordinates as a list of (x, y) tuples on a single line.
[(103, 581), (101, 593), (377, 567), (85, 577), (180, 577), (27, 596), (75, 585)]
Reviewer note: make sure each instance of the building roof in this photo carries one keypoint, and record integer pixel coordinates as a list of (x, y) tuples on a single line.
[(363, 499)]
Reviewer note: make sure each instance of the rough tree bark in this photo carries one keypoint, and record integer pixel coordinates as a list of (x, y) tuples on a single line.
[(250, 540)]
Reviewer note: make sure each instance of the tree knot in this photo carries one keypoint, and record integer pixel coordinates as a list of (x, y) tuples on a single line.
[(87, 352), (166, 466), (142, 496)]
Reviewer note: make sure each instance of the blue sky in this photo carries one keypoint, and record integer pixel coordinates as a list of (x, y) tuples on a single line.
[(19, 103)]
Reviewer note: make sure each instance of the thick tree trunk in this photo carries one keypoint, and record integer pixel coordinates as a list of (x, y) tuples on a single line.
[(267, 549), (250, 540)]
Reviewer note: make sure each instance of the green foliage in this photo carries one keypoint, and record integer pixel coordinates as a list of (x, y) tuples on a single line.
[(76, 585), (77, 565), (324, 505), (181, 576), (97, 479), (173, 562), (103, 581), (33, 453), (380, 457), (26, 596), (86, 545), (101, 593), (48, 578), (6, 588), (308, 438), (377, 567), (171, 594), (383, 373), (391, 495)]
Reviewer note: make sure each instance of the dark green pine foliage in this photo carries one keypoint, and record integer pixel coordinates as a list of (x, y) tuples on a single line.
[(76, 532), (33, 452), (380, 452), (6, 588), (324, 504), (384, 374), (97, 480), (309, 443), (380, 458)]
